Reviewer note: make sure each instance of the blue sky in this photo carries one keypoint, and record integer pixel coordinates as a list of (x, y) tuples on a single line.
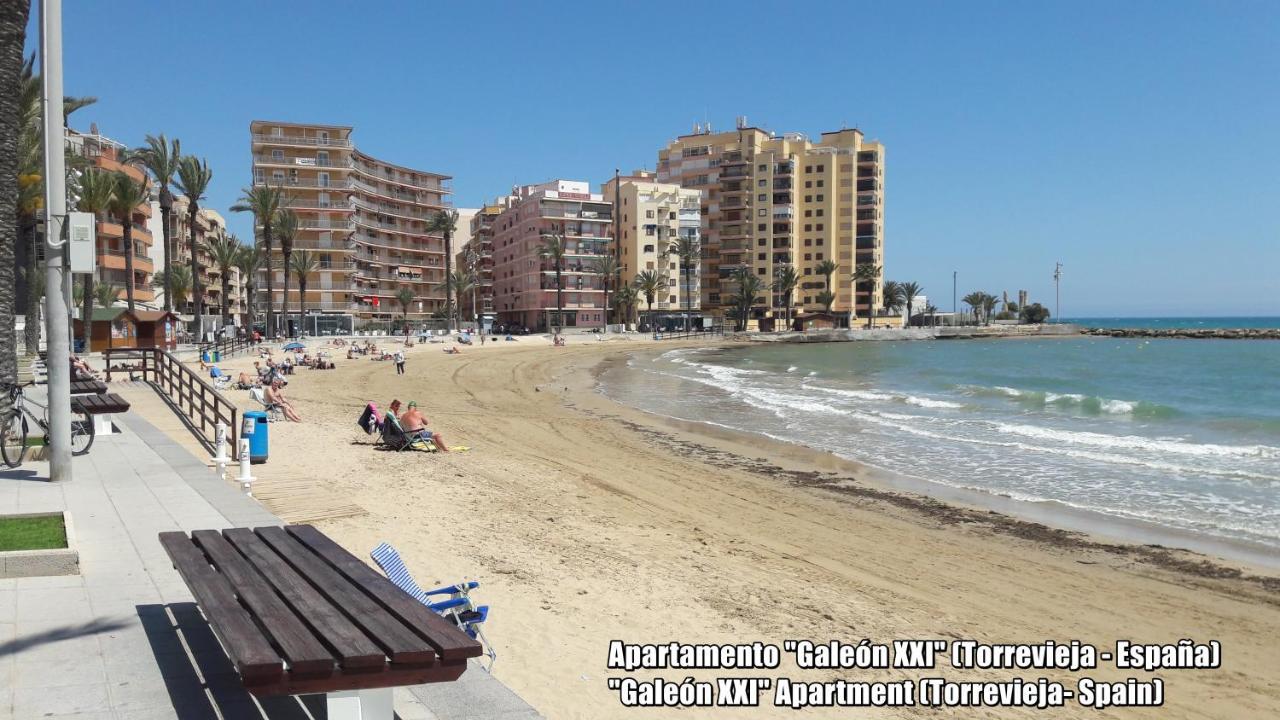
[(1133, 141)]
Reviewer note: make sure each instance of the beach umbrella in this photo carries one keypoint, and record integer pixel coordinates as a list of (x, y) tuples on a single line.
[(295, 346)]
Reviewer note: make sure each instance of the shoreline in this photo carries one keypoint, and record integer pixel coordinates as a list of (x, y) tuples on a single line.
[(587, 521), (1102, 529)]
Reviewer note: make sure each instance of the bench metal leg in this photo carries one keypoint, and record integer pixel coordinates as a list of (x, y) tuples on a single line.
[(361, 704), (102, 424)]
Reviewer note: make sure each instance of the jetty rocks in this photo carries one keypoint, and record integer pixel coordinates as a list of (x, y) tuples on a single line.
[(1200, 333)]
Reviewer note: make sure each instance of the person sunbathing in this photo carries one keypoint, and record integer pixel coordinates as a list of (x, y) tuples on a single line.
[(415, 424), (244, 382), (451, 350), (275, 396)]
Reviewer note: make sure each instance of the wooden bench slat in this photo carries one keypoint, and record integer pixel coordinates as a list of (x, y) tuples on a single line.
[(401, 644), (100, 404), (88, 387), (307, 656), (328, 623), (250, 653), (450, 642)]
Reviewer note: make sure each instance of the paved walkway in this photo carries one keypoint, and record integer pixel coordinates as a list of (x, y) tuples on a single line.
[(105, 643)]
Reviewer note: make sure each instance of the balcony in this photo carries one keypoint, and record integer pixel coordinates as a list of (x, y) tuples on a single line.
[(782, 212), (331, 184), (867, 242), (306, 222), (432, 184), (397, 210), (299, 141), (295, 161), (313, 204), (736, 171), (783, 169)]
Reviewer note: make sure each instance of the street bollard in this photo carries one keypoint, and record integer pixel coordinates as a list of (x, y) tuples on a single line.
[(246, 479), (220, 448)]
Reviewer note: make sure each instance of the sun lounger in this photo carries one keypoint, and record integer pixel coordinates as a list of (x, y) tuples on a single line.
[(457, 607), (274, 411)]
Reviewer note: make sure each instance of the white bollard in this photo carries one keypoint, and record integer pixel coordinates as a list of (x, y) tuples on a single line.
[(220, 448), (246, 479)]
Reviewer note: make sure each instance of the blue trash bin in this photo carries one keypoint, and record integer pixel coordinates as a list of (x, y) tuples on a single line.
[(255, 429), (204, 357), (217, 356)]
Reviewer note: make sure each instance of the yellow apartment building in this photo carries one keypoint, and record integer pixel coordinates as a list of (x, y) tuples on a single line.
[(771, 200)]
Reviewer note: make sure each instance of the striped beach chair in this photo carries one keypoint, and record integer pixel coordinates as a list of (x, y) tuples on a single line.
[(457, 607)]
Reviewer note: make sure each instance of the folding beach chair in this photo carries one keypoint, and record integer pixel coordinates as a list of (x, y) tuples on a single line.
[(395, 438), (221, 380), (457, 608), (274, 412)]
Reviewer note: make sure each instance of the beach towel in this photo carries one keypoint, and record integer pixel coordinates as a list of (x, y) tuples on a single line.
[(369, 420)]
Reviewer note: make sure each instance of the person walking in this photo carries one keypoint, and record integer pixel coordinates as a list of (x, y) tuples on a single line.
[(399, 358)]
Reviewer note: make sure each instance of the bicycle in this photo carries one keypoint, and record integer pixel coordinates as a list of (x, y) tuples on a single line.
[(13, 444)]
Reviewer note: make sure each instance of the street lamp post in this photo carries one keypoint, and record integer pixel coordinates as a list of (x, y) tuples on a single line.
[(57, 317), (1057, 295)]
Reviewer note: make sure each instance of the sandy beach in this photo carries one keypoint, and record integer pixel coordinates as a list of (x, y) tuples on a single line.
[(586, 521)]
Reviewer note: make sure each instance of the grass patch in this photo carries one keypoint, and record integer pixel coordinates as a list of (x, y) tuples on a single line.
[(32, 533)]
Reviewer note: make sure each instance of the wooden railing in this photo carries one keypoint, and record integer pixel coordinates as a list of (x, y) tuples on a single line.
[(713, 331), (227, 347), (196, 402)]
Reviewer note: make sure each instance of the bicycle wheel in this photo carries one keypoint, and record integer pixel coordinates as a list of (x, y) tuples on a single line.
[(13, 446), (81, 432)]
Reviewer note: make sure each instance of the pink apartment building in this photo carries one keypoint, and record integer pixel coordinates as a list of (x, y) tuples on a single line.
[(524, 284)]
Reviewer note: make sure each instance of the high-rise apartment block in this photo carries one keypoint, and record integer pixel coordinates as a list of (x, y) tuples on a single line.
[(477, 257), (775, 200), (524, 283), (105, 154), (365, 219), (652, 218)]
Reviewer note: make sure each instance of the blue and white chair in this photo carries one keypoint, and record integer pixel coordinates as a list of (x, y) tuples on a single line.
[(457, 607)]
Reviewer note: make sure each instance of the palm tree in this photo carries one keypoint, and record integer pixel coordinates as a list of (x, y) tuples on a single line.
[(785, 285), (689, 251), (649, 283), (303, 263), (105, 294), (128, 195), (826, 298), (982, 303), (160, 158), (909, 291), (827, 268), (31, 189), (989, 302), (931, 310), (553, 249), (865, 274), (749, 288), (404, 296), (459, 282), (264, 201), (97, 188), (13, 28), (286, 229), (892, 295), (224, 251), (193, 180), (248, 262), (177, 281), (606, 266), (625, 299), (445, 222)]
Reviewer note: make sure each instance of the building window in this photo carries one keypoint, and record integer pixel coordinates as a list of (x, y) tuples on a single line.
[(277, 154), (762, 197), (762, 168), (820, 212), (821, 198), (808, 256), (821, 183), (648, 213), (818, 256), (808, 198), (648, 248), (759, 271), (671, 216), (808, 242), (808, 213), (760, 227), (822, 168), (808, 168), (761, 242), (762, 212), (648, 230), (808, 271), (819, 242), (808, 183), (820, 227), (761, 183)]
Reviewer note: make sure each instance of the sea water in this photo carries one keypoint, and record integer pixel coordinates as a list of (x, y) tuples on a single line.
[(1181, 433)]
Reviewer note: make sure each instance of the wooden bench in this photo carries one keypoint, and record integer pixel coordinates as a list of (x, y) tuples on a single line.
[(298, 614), (101, 406), (88, 387)]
